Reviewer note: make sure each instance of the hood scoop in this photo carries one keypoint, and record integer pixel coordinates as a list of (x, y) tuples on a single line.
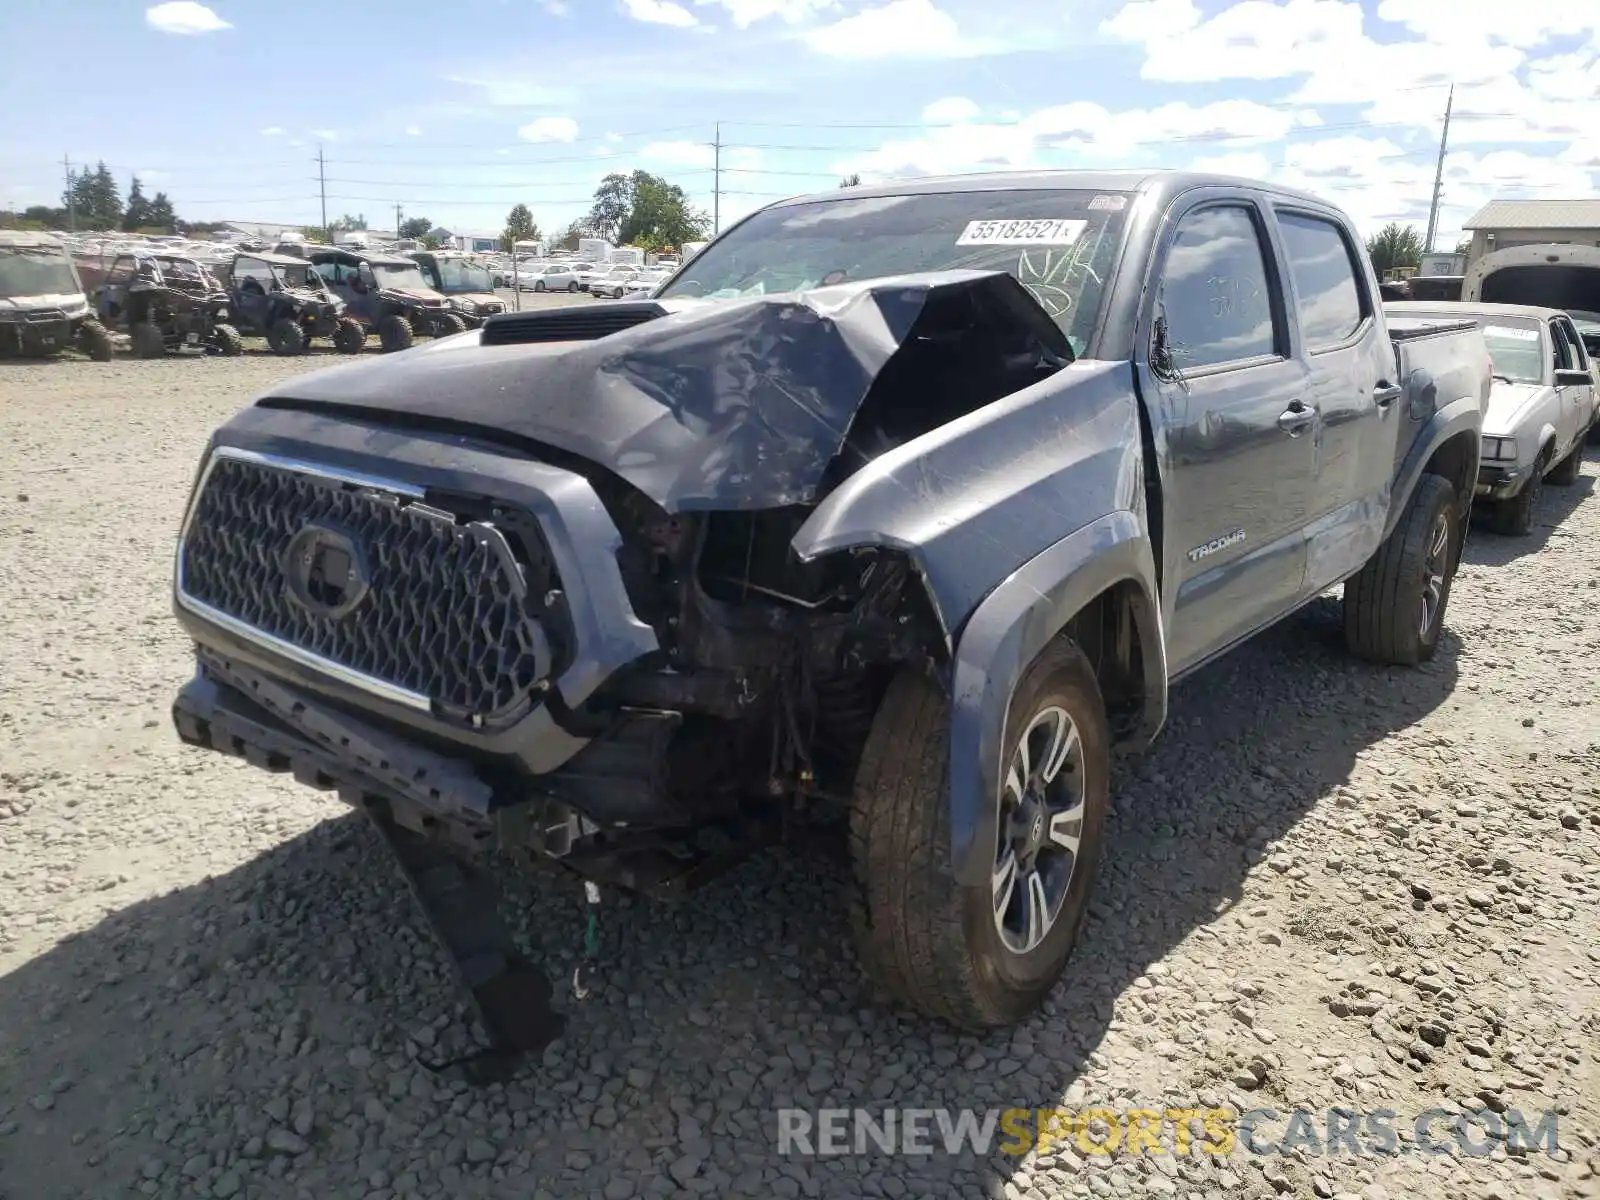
[(582, 323)]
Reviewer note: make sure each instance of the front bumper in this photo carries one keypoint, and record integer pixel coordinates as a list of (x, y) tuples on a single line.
[(1500, 481)]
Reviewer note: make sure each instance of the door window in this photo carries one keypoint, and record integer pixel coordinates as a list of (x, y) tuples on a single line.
[(1328, 297), (1569, 336), (1215, 299), (1562, 348)]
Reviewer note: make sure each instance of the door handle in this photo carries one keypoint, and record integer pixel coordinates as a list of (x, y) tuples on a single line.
[(1295, 418), (1386, 394)]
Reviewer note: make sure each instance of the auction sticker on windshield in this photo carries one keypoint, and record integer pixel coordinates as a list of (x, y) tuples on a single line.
[(1506, 331), (1059, 231)]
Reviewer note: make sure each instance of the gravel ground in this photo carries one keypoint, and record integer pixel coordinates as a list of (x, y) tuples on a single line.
[(1329, 884)]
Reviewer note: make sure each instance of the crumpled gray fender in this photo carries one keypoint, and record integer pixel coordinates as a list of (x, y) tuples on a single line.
[(1017, 516), (1006, 634), (975, 499)]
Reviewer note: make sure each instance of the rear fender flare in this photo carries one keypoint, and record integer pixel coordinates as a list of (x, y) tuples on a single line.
[(1006, 633), (1463, 415)]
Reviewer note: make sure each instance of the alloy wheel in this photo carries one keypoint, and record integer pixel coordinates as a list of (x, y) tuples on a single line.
[(1040, 829), (1434, 570)]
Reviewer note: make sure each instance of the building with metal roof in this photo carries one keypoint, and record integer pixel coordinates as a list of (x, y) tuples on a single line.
[(1502, 223)]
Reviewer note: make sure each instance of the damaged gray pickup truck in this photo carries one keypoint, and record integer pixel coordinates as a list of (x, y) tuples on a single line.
[(903, 506)]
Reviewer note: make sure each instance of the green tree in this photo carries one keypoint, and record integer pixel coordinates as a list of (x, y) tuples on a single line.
[(137, 214), (1464, 246), (520, 227), (347, 223), (851, 180), (568, 238), (1395, 245), (315, 234), (641, 206), (94, 199), (414, 227), (161, 215)]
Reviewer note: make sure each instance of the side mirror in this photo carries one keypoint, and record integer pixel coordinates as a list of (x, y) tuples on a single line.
[(1573, 378)]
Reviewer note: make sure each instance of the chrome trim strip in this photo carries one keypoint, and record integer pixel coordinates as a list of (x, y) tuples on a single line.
[(356, 679)]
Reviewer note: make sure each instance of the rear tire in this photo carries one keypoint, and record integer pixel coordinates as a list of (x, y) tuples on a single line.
[(226, 340), (1514, 517), (147, 340), (95, 341), (449, 323), (930, 942), (538, 285), (349, 336), (1394, 607), (573, 286), (286, 337), (394, 333), (1565, 472)]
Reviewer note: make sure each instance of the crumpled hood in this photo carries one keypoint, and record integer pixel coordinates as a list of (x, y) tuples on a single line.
[(69, 302), (1508, 404), (732, 404)]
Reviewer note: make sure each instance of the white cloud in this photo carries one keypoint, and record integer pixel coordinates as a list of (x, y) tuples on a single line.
[(556, 8), (272, 131), (950, 110), (899, 29), (549, 129), (1525, 24), (613, 137), (184, 17), (659, 12), (413, 131), (325, 135), (745, 13), (1252, 40)]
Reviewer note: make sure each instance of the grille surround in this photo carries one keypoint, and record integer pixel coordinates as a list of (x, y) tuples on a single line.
[(454, 622)]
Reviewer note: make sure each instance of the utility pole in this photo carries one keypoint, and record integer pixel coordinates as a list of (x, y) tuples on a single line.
[(397, 220), (1438, 174), (716, 182), (322, 188), (72, 200)]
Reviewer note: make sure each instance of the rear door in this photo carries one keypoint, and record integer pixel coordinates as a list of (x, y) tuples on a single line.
[(1239, 437), (1352, 386)]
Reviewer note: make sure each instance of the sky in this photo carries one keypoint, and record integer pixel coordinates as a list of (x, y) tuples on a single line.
[(458, 111)]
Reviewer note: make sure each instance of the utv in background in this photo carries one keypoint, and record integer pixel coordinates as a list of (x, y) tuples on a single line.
[(166, 302), (42, 306), (286, 301), (466, 283), (386, 294)]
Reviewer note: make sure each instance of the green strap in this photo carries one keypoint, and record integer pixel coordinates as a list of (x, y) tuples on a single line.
[(591, 937)]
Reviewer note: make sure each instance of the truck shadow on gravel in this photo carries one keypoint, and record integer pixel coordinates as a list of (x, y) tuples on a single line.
[(194, 1024)]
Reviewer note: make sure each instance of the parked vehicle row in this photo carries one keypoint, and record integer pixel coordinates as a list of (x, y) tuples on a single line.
[(1003, 459)]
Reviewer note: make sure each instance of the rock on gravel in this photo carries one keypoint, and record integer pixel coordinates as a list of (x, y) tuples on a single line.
[(1329, 884)]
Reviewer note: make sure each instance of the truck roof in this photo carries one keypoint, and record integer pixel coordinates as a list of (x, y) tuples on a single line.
[(1469, 308), (1164, 184)]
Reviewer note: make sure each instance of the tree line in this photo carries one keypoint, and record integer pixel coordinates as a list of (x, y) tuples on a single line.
[(1399, 245), (630, 209), (92, 201)]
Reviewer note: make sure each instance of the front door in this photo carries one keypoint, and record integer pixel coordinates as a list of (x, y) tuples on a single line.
[(1240, 435), (1577, 402), (1353, 386)]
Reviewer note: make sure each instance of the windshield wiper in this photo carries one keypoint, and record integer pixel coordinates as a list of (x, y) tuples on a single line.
[(1504, 378)]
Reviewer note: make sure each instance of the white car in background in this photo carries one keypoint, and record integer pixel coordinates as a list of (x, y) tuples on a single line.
[(646, 282), (613, 281), (548, 277), (587, 273), (1540, 410)]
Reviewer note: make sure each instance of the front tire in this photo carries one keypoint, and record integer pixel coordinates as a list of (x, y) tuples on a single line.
[(1513, 517), (95, 340), (226, 340), (538, 285), (449, 323), (286, 337), (1565, 472), (573, 286), (395, 333), (983, 955), (350, 336), (1394, 606)]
